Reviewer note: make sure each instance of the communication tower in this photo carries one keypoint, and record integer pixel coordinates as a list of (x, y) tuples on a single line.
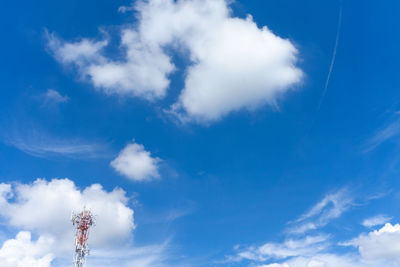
[(82, 221)]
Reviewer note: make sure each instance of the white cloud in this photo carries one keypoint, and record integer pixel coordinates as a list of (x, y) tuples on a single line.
[(5, 194), (148, 256), (44, 207), (374, 251), (330, 207), (80, 53), (316, 263), (136, 163), (234, 64), (310, 245), (238, 66), (274, 265), (330, 260), (382, 244), (143, 73), (23, 252), (378, 248), (376, 220), (53, 97)]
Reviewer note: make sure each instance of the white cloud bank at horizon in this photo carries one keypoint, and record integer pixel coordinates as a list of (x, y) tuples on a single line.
[(378, 248), (23, 252), (289, 248), (44, 209), (234, 64), (383, 243), (136, 163)]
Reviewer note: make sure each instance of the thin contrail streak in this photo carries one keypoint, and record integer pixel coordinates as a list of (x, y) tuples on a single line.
[(333, 59), (329, 73)]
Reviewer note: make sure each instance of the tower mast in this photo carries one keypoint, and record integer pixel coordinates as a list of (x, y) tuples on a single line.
[(82, 221)]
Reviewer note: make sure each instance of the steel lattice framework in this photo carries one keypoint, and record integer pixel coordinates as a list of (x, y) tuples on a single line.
[(82, 221)]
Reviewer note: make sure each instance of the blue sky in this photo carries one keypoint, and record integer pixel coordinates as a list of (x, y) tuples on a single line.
[(217, 134)]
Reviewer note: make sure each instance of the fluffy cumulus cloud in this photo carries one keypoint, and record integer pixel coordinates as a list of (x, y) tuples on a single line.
[(44, 208), (136, 163), (234, 63), (382, 244), (23, 252)]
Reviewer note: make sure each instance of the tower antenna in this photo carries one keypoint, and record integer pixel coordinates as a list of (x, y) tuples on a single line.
[(82, 221)]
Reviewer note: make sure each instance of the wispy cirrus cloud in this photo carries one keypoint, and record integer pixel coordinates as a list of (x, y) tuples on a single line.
[(58, 147), (39, 143), (289, 248), (332, 206), (53, 97), (388, 132), (297, 242), (376, 220), (374, 249)]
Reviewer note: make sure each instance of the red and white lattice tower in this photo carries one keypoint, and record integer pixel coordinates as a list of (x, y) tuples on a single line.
[(82, 221)]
